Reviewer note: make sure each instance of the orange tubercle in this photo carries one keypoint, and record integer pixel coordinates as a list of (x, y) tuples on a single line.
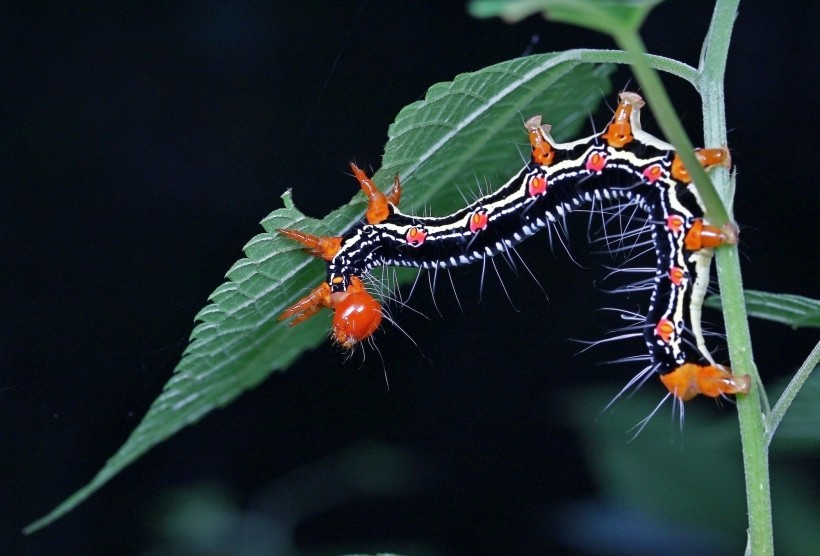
[(378, 204), (703, 236), (394, 196), (542, 152), (619, 131), (707, 157), (308, 305), (718, 156), (690, 379), (325, 247)]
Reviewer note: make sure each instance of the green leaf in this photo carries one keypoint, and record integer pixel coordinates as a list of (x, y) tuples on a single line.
[(462, 129), (606, 16), (794, 310)]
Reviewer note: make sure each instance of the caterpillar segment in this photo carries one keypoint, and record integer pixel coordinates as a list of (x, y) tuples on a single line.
[(622, 164)]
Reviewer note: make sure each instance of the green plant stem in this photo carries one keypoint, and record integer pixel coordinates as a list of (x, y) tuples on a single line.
[(660, 63), (710, 86), (750, 415)]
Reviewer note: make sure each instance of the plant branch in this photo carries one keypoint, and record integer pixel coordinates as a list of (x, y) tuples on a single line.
[(710, 85), (750, 414), (660, 63), (791, 391)]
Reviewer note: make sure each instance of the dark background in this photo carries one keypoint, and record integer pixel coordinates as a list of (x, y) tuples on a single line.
[(141, 146)]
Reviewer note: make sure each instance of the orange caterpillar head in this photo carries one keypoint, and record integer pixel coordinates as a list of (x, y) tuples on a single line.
[(356, 315)]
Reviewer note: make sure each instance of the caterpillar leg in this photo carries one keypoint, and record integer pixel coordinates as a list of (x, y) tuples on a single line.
[(690, 379), (378, 205), (356, 314)]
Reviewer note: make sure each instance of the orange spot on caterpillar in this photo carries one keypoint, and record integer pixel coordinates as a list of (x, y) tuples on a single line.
[(674, 223), (537, 186), (691, 379), (677, 275), (478, 221), (415, 236), (596, 162), (653, 173), (665, 329), (357, 315)]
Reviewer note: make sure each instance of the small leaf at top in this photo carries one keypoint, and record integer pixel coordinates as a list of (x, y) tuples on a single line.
[(606, 16)]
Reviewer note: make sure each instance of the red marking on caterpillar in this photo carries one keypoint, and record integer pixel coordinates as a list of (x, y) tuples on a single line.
[(619, 167), (653, 173), (677, 275), (537, 186), (415, 236), (478, 221), (674, 224), (665, 330), (596, 162)]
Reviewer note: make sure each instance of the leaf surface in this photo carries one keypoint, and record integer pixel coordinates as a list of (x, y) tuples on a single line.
[(467, 129), (793, 310)]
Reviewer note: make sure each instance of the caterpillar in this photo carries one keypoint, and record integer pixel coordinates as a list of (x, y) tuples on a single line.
[(621, 164)]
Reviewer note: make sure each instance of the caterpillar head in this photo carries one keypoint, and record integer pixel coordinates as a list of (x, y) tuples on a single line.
[(356, 315)]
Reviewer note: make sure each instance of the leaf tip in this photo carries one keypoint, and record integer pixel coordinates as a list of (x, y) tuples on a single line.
[(287, 198)]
